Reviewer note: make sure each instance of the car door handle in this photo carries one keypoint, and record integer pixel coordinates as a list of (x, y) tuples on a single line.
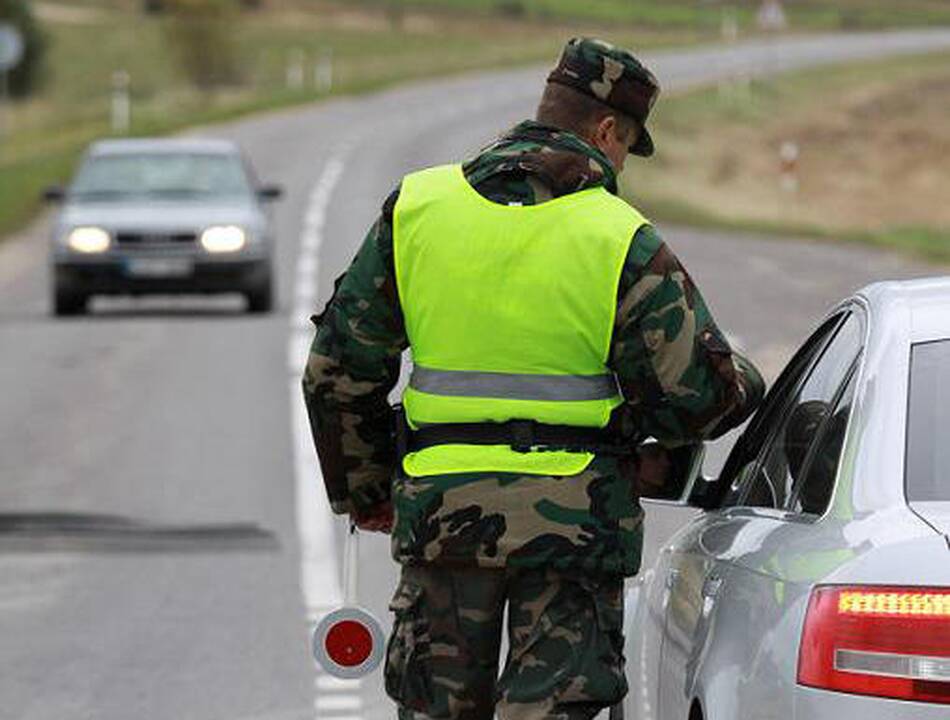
[(671, 579), (712, 586)]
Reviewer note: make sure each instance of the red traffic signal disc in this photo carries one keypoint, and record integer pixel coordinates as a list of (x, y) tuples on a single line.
[(349, 643)]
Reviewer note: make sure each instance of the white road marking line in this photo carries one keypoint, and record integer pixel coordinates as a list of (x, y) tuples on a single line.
[(338, 702), (298, 347), (319, 570), (319, 577), (319, 563), (330, 683)]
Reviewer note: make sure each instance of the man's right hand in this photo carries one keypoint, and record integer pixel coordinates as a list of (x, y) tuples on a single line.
[(377, 519)]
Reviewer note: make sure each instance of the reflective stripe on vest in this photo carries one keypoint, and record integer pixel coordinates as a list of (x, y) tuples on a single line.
[(513, 386), (509, 313)]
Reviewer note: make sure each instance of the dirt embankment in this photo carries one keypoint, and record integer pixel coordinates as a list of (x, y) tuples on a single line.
[(873, 151)]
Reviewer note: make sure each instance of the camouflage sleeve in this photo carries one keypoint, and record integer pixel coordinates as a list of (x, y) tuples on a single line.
[(681, 380), (352, 367)]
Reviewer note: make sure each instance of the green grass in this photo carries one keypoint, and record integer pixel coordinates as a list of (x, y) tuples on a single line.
[(828, 14), (926, 243)]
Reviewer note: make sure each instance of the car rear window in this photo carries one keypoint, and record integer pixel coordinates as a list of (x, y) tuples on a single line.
[(928, 423)]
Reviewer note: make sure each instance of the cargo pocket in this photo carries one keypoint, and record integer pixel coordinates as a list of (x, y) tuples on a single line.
[(407, 654), (608, 680)]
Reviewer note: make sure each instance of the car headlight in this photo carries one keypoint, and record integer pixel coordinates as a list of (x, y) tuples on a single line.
[(88, 240), (227, 238)]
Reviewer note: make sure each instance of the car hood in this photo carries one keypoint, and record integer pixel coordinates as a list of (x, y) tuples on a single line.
[(160, 215), (937, 514)]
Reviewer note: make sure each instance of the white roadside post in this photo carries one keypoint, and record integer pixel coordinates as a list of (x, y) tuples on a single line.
[(788, 156), (121, 103), (323, 72), (729, 24), (295, 70), (730, 88), (771, 16), (11, 53)]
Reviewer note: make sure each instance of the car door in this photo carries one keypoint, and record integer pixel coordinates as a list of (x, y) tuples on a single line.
[(723, 559)]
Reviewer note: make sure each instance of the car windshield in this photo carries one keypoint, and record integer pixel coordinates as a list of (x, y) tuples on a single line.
[(160, 175), (928, 423)]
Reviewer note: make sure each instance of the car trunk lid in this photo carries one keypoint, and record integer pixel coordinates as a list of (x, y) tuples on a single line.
[(935, 514)]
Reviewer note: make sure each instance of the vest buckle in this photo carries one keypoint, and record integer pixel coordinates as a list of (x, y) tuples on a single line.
[(522, 435)]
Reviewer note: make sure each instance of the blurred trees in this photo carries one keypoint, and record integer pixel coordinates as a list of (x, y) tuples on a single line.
[(203, 36), (25, 77)]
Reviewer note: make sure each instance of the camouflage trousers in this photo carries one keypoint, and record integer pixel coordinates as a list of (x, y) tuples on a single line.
[(565, 657)]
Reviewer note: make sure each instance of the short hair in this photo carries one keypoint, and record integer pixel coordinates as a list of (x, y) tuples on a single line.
[(569, 109)]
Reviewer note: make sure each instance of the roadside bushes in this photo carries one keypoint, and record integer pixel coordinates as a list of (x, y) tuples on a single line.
[(203, 37), (25, 77)]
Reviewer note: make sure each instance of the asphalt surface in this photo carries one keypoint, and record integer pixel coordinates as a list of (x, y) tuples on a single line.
[(163, 544)]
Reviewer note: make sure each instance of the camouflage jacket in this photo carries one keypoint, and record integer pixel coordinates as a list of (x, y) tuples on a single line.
[(679, 377)]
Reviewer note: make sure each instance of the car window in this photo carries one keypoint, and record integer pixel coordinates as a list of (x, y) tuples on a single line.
[(817, 478), (786, 454), (121, 176), (748, 449), (928, 423)]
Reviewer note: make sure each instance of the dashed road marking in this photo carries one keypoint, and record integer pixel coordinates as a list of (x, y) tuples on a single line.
[(338, 702), (319, 567), (328, 682)]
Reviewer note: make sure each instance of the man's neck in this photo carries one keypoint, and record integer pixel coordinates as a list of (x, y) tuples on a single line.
[(533, 163)]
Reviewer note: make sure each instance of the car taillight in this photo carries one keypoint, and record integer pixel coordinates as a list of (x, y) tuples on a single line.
[(886, 641)]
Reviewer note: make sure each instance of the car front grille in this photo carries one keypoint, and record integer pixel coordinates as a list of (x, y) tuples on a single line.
[(154, 240)]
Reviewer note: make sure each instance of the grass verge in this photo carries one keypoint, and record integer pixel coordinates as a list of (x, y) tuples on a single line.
[(814, 14), (872, 144)]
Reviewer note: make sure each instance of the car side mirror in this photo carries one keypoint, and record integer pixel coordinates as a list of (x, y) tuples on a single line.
[(54, 194), (269, 193), (682, 472)]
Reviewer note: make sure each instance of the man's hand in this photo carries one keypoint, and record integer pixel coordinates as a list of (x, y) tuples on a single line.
[(376, 519), (653, 471)]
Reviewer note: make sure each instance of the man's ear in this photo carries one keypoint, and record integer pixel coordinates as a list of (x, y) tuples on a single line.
[(606, 129)]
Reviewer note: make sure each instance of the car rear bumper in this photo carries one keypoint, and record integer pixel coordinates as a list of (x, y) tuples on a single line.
[(117, 276), (811, 704)]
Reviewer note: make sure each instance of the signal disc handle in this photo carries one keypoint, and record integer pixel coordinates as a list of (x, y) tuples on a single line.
[(349, 643)]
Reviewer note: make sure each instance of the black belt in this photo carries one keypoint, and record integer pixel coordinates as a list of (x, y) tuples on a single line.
[(522, 436)]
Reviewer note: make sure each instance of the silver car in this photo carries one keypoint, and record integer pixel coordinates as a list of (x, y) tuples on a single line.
[(814, 583), (162, 216)]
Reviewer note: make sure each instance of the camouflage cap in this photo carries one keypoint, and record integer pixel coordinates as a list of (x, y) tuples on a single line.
[(613, 76)]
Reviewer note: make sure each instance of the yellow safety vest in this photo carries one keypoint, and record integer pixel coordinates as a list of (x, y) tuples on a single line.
[(509, 312)]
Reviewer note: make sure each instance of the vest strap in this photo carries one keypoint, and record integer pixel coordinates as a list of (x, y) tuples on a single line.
[(513, 386), (522, 436)]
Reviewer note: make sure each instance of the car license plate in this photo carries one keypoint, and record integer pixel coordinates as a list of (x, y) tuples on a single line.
[(160, 267)]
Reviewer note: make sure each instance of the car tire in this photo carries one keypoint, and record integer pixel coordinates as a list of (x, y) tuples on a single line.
[(260, 299), (68, 303)]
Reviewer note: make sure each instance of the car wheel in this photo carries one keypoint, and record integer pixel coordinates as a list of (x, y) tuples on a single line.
[(67, 303), (260, 299)]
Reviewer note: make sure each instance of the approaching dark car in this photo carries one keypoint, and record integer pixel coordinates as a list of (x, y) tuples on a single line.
[(162, 216)]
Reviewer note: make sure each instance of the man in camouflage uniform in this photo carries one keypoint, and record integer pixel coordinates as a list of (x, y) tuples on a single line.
[(554, 549)]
